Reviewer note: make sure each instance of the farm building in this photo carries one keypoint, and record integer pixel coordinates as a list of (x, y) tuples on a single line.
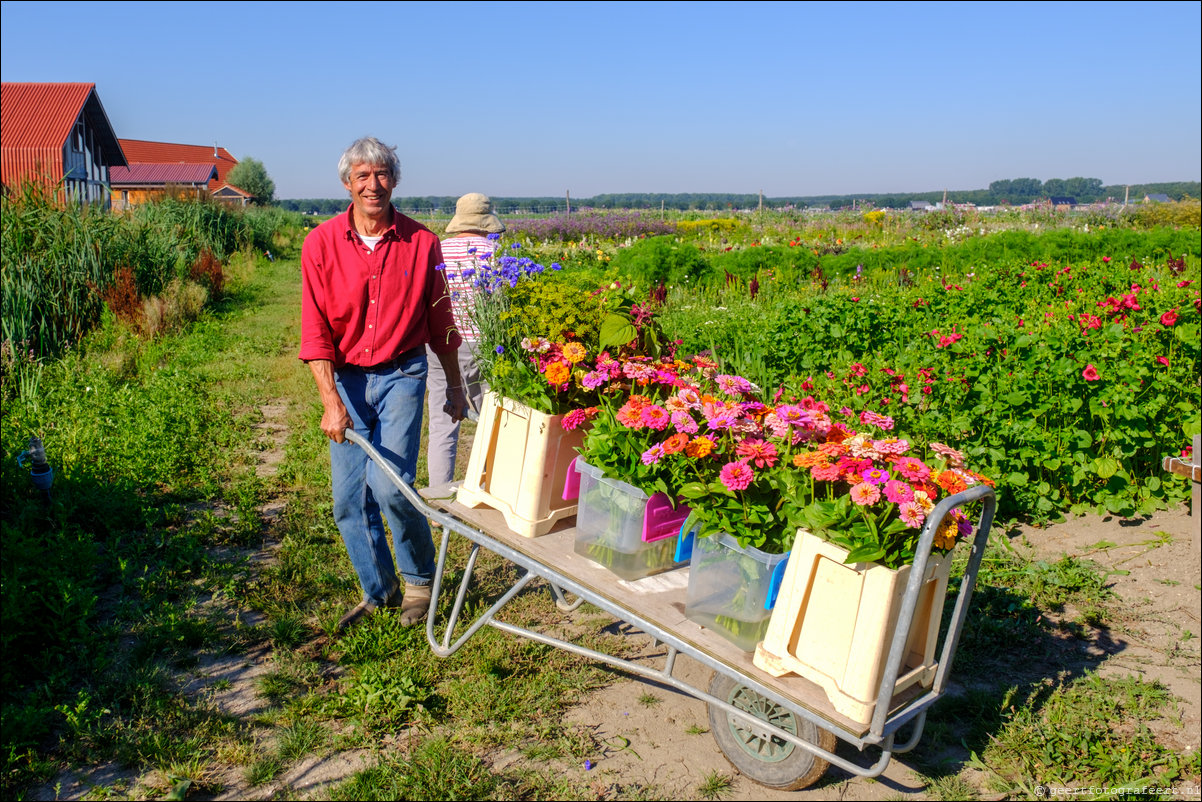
[(140, 183), (1062, 202), (1156, 197), (59, 134), (140, 151), (164, 154), (228, 193)]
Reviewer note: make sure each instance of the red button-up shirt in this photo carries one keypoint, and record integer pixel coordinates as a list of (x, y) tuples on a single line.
[(364, 308)]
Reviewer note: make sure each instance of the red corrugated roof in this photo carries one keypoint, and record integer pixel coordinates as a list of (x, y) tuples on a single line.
[(145, 174), (145, 152), (35, 122)]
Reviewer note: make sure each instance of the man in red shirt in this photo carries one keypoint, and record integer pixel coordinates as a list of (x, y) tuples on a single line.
[(371, 299)]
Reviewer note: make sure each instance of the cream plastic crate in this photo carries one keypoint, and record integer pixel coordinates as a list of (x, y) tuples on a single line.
[(519, 461), (833, 624)]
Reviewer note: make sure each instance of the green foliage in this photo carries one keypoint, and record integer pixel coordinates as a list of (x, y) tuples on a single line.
[(251, 176), (59, 262), (1185, 214), (661, 260), (990, 351), (1090, 732), (437, 769)]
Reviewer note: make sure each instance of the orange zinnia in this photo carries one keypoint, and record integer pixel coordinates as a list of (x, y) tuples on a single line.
[(808, 459), (951, 482), (675, 443), (699, 447), (557, 373)]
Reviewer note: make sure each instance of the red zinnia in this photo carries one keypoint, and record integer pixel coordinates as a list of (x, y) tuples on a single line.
[(1169, 318)]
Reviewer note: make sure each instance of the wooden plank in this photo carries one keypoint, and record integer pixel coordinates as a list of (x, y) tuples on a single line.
[(659, 599)]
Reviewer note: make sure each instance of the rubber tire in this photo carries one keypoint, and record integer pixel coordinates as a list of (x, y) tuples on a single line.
[(790, 768)]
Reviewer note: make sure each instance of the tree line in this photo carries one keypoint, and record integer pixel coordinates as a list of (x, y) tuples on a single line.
[(1013, 191)]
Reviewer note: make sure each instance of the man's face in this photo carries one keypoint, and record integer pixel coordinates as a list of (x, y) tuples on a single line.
[(371, 190)]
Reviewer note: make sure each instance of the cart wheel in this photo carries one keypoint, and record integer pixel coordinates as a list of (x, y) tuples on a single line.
[(769, 760)]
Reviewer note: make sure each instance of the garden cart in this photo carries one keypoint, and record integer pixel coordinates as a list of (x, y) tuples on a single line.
[(780, 732)]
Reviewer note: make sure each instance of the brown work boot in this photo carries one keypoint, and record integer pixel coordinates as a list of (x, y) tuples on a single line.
[(364, 609), (415, 604), (356, 615)]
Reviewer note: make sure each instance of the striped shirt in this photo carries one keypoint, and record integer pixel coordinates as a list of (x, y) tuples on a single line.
[(464, 254)]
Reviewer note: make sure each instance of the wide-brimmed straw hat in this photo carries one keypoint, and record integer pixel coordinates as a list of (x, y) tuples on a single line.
[(473, 213)]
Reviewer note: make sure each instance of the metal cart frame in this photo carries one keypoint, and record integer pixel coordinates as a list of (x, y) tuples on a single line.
[(891, 713)]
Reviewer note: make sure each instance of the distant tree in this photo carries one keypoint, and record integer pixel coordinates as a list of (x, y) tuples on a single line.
[(251, 176), (1055, 188)]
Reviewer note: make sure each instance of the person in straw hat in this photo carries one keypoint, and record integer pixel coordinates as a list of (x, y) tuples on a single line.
[(471, 237)]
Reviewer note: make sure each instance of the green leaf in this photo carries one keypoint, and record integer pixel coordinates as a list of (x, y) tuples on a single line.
[(616, 330), (864, 554), (1016, 398), (1018, 479), (1105, 467)]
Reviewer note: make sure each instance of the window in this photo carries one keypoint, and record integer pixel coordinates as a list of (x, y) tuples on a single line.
[(77, 137)]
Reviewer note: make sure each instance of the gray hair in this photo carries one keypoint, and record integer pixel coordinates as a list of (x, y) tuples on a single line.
[(369, 150)]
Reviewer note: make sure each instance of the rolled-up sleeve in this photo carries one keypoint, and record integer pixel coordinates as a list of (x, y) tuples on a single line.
[(317, 338)]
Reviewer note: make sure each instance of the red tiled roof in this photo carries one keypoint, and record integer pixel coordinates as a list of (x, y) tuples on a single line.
[(35, 122), (144, 152), (145, 174)]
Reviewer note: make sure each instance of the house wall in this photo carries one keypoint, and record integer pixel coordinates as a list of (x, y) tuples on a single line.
[(85, 178)]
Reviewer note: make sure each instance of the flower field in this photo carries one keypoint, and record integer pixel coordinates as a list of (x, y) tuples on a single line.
[(1064, 363)]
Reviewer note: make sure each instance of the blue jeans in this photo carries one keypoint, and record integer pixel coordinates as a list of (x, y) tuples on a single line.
[(386, 408)]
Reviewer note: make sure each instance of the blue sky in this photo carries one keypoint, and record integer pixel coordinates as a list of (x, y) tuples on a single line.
[(523, 99)]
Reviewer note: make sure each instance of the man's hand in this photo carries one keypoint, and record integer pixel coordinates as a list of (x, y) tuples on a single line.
[(334, 419), (335, 422), (456, 405)]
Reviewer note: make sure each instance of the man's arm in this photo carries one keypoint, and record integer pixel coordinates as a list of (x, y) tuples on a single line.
[(334, 420)]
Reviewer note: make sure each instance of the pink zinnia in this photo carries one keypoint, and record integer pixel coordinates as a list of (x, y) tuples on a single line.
[(655, 417), (736, 475), (898, 492), (869, 418), (865, 493), (875, 476), (911, 514), (892, 445), (732, 385), (575, 418), (913, 469), (594, 379), (683, 422), (1163, 360), (761, 452), (1169, 318), (653, 454), (954, 458), (1090, 374), (826, 473)]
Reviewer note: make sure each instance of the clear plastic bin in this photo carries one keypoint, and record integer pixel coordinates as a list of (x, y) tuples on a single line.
[(731, 588), (611, 526)]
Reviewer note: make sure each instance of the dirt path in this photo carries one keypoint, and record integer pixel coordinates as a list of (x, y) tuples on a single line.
[(665, 742)]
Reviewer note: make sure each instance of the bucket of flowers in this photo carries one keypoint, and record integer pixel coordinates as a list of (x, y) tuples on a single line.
[(536, 325), (871, 492)]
